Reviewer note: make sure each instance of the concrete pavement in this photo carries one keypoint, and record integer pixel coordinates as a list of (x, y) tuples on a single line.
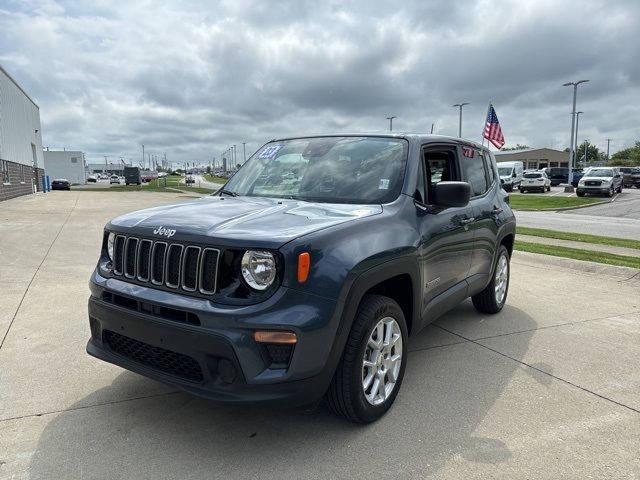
[(548, 388)]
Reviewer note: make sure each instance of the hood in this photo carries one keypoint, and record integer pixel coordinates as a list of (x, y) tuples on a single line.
[(239, 221), (596, 178)]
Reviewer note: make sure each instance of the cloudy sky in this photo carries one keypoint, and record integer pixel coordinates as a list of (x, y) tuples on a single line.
[(190, 78)]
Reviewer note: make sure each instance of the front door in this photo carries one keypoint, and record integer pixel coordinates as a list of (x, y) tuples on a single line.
[(446, 236)]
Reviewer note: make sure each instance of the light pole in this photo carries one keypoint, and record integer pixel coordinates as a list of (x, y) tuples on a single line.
[(391, 122), (244, 152), (608, 141), (460, 105), (142, 156), (573, 121), (575, 143)]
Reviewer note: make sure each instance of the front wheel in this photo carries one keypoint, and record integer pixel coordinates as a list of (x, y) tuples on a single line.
[(610, 192), (370, 372), (494, 296)]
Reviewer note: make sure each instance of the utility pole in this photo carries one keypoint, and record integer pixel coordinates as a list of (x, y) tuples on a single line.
[(460, 105), (105, 164), (586, 150), (143, 156), (432, 128), (573, 123), (608, 142), (391, 122)]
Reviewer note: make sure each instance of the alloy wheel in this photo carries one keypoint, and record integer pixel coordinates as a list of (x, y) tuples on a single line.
[(382, 361)]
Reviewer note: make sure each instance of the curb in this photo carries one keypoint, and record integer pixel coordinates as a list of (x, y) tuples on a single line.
[(561, 208), (569, 264)]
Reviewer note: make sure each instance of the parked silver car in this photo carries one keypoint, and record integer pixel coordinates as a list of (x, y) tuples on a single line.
[(600, 180)]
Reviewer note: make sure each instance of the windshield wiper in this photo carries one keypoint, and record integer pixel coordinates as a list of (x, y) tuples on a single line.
[(227, 192)]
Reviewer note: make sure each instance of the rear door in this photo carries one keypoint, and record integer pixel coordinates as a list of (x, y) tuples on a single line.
[(479, 171)]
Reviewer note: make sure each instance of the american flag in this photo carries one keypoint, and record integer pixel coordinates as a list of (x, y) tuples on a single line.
[(467, 152), (492, 130)]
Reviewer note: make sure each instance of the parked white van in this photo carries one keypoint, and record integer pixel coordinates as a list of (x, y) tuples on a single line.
[(510, 174)]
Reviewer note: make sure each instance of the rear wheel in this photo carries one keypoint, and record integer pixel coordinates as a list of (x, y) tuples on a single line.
[(494, 296), (370, 372), (580, 194), (610, 192), (620, 189)]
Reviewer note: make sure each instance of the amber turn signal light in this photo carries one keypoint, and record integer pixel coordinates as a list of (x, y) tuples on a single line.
[(282, 338), (304, 265)]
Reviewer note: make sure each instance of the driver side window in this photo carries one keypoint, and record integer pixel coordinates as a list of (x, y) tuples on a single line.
[(440, 166)]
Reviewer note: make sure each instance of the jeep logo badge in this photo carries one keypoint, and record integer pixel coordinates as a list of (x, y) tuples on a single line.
[(164, 231)]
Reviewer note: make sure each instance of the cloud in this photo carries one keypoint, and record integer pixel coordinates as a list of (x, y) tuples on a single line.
[(192, 78)]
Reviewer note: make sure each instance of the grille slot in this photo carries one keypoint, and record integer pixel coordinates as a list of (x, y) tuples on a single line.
[(208, 270), (144, 260), (157, 262), (118, 255), (167, 361), (172, 269), (189, 268), (131, 249)]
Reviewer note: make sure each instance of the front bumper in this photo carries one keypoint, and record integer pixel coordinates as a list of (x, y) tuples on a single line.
[(213, 353), (598, 189)]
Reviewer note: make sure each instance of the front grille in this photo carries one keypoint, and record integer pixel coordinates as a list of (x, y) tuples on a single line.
[(166, 361), (173, 265), (593, 183)]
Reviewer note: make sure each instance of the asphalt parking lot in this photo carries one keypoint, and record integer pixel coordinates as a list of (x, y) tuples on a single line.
[(548, 388)]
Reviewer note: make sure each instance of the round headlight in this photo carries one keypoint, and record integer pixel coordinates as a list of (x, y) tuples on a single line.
[(258, 269), (110, 241)]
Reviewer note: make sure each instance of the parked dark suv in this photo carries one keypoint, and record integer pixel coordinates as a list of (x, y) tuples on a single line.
[(306, 273)]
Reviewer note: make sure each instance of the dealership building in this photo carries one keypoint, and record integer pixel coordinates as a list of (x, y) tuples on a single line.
[(535, 158), (21, 158), (67, 164)]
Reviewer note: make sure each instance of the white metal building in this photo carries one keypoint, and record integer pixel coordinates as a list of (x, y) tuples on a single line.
[(21, 159), (535, 158), (67, 164)]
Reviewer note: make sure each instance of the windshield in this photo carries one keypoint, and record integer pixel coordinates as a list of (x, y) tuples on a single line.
[(329, 169), (504, 171), (532, 175), (607, 172)]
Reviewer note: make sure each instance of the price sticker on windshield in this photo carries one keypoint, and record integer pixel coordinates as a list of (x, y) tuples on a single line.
[(269, 152)]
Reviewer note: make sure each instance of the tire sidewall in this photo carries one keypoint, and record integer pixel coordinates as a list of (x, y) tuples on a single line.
[(364, 409)]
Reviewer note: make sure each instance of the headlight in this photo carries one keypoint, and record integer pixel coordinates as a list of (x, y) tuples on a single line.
[(581, 182), (110, 241), (258, 269), (605, 181)]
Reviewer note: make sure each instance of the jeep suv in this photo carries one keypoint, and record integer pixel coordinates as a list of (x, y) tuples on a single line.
[(285, 289)]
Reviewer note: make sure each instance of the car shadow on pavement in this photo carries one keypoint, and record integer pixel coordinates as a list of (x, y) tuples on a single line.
[(449, 388)]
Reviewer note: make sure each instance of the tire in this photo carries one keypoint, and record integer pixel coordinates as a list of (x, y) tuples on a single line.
[(620, 189), (509, 188), (580, 194), (347, 395), (549, 188), (523, 190), (488, 300), (610, 192)]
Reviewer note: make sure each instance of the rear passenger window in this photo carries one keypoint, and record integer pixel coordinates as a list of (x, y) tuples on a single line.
[(489, 166), (473, 172)]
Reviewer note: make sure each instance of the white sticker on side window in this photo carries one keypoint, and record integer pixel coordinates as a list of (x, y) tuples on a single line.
[(269, 152), (383, 184)]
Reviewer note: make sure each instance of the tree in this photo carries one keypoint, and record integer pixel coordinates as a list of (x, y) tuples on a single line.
[(627, 157), (593, 153), (517, 147)]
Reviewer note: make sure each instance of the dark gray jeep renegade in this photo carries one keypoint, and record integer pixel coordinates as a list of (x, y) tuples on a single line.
[(306, 273)]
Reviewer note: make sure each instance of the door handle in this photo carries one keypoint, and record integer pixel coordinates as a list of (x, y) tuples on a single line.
[(467, 221)]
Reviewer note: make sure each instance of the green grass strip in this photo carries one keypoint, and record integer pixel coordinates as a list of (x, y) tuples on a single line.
[(578, 254), (579, 237), (538, 202)]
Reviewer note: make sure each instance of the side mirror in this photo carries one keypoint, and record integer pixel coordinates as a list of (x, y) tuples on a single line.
[(514, 175), (452, 194)]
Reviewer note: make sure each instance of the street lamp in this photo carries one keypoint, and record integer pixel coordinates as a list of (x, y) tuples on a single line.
[(575, 143), (244, 152), (391, 123), (460, 105), (573, 120)]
